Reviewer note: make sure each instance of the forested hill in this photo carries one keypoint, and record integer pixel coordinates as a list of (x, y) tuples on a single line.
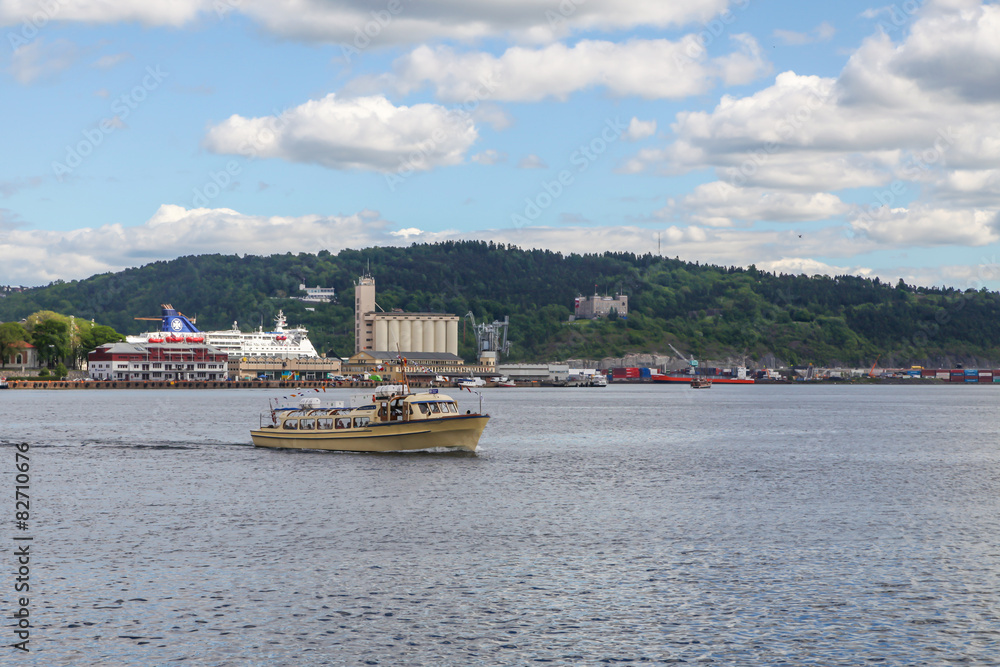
[(711, 312)]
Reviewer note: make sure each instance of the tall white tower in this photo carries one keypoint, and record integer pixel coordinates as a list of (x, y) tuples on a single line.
[(364, 309)]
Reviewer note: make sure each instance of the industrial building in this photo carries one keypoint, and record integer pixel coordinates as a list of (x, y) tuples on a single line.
[(399, 332)]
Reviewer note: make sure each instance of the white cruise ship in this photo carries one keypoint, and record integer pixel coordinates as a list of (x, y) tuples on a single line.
[(282, 342)]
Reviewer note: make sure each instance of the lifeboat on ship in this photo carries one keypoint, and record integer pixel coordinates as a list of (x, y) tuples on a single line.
[(195, 339), (175, 339), (281, 338), (154, 340)]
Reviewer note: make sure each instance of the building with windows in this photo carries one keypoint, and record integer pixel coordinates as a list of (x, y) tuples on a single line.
[(397, 332), (165, 361), (317, 294), (22, 354), (592, 307)]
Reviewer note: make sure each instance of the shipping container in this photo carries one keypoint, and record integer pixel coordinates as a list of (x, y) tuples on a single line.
[(943, 375), (957, 378), (985, 374), (645, 372), (971, 371), (928, 373)]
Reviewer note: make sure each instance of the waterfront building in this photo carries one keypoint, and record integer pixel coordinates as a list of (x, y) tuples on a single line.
[(22, 354), (164, 361), (410, 334)]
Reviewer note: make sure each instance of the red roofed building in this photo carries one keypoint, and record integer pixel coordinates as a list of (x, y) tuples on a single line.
[(166, 361), (21, 353)]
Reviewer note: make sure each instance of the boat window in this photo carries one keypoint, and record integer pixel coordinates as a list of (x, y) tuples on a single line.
[(344, 422), (324, 424), (360, 422), (435, 408), (291, 424), (424, 409), (307, 424), (451, 407)]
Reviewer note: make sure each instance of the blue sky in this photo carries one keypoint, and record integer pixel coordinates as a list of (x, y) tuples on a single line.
[(801, 137)]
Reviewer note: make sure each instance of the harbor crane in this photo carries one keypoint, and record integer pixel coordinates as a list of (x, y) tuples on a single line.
[(491, 339), (692, 362)]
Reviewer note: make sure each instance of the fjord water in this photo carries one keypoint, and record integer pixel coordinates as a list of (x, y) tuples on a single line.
[(797, 525)]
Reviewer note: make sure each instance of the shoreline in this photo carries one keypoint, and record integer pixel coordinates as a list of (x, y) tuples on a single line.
[(322, 385)]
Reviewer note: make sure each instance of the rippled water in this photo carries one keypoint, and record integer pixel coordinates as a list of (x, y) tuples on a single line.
[(817, 525)]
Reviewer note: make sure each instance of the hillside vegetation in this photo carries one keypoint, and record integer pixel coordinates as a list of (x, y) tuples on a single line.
[(711, 312)]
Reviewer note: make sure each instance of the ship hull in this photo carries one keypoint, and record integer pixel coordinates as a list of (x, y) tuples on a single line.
[(459, 432), (686, 379)]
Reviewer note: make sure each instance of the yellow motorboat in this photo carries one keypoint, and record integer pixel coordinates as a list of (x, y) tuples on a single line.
[(393, 420)]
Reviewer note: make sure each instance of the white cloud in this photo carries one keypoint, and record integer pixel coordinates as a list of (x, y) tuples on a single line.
[(824, 32), (109, 61), (360, 133), (33, 257), (721, 204), (383, 23), (40, 59), (639, 129), (531, 20), (147, 12), (810, 267), (924, 226), (532, 161), (489, 156), (647, 68)]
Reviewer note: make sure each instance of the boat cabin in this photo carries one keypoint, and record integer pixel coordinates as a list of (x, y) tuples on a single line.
[(386, 409)]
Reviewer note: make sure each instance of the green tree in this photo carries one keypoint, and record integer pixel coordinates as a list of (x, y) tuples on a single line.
[(51, 338), (93, 337), (10, 333)]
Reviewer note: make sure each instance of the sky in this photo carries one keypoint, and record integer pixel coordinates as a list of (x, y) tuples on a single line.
[(815, 138)]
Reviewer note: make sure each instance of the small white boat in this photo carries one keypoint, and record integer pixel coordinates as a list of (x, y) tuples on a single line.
[(393, 420)]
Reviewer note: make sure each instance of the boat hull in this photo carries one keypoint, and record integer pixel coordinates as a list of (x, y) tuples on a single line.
[(459, 432), (674, 379)]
